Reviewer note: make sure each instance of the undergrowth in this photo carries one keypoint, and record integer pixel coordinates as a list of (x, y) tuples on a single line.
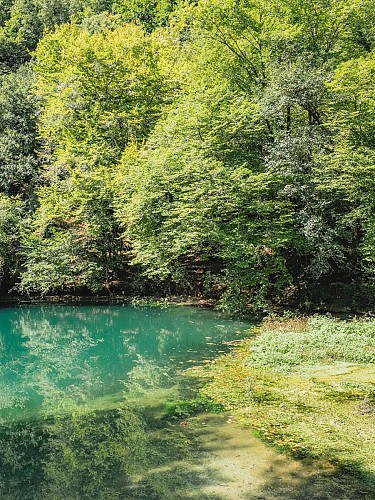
[(320, 340)]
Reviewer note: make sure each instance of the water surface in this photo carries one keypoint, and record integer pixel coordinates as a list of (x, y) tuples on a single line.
[(81, 396)]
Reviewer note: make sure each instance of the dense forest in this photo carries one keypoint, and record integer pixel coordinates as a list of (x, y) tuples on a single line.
[(215, 147)]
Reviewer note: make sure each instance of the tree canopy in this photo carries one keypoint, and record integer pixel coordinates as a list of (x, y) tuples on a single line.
[(223, 148)]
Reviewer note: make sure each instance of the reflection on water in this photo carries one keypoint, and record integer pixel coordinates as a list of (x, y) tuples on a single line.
[(83, 455), (56, 356), (70, 426)]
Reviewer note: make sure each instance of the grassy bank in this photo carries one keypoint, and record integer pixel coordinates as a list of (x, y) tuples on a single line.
[(307, 386)]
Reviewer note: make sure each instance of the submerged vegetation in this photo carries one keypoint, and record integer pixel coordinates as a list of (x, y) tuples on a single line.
[(187, 408), (307, 386), (221, 148)]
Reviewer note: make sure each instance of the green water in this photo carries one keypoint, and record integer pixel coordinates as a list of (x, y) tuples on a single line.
[(81, 395)]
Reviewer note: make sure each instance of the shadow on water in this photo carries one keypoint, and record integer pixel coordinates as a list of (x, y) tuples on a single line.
[(228, 462), (127, 453)]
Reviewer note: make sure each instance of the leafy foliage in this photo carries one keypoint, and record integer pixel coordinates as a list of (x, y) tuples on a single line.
[(11, 212), (73, 243), (18, 161), (216, 147), (98, 95), (149, 13)]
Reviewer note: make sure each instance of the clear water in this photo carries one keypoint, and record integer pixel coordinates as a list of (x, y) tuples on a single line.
[(81, 392)]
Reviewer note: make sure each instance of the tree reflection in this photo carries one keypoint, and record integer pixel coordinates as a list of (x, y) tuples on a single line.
[(84, 455), (58, 356), (55, 370), (93, 454)]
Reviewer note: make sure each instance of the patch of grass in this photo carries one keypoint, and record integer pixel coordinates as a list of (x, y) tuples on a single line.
[(187, 408), (324, 340), (287, 322), (310, 391)]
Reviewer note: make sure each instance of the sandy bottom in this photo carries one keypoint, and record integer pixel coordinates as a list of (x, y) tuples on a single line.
[(232, 464)]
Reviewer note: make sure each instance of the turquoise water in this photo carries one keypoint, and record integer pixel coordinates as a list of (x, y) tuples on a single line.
[(78, 385)]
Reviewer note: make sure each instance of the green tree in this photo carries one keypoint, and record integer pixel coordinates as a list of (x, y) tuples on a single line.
[(349, 168), (11, 213), (24, 22), (73, 242), (5, 6), (18, 131), (98, 95), (195, 220), (252, 115), (150, 14), (330, 31), (24, 25)]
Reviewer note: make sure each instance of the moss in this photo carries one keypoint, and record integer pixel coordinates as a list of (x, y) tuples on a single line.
[(188, 408), (306, 403)]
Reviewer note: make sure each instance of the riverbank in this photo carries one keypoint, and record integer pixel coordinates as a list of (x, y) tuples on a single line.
[(307, 387), (184, 300), (173, 300)]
